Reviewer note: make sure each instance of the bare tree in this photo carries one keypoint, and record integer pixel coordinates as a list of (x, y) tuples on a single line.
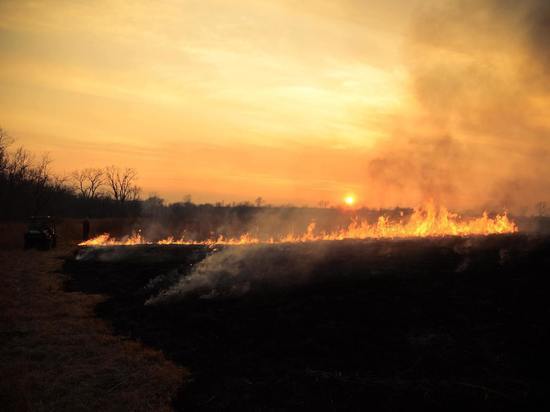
[(541, 208), (5, 141), (187, 199), (24, 182), (88, 182), (122, 183), (259, 201), (18, 166), (39, 176), (133, 193)]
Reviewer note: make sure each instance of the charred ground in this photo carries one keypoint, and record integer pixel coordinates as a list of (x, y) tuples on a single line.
[(435, 323)]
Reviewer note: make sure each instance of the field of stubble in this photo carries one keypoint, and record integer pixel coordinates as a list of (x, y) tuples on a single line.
[(437, 324)]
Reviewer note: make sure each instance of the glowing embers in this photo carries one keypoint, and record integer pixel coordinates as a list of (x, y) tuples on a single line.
[(428, 221)]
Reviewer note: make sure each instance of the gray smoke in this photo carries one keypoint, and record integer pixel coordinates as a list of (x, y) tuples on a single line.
[(480, 76), (238, 270)]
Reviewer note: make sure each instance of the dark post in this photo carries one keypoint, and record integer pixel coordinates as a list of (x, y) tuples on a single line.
[(85, 229)]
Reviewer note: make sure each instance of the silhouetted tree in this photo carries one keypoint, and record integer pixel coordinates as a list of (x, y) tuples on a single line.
[(259, 201), (187, 199), (122, 183), (88, 182), (5, 141), (152, 206), (541, 208), (39, 177)]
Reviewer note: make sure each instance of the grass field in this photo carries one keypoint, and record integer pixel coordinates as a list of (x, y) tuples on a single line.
[(56, 355)]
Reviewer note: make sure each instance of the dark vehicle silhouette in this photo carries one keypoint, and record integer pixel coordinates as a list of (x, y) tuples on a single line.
[(41, 233)]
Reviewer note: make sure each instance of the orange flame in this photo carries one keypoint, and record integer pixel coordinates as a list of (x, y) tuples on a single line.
[(428, 221)]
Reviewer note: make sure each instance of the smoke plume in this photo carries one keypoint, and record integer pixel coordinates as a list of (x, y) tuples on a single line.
[(236, 271), (477, 133)]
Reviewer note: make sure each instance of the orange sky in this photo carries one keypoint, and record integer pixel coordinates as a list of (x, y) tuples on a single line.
[(223, 100)]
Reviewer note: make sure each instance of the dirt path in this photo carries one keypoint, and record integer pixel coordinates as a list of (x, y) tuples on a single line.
[(56, 355)]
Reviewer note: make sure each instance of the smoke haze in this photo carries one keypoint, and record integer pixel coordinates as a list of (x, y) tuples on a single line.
[(478, 136), (236, 271)]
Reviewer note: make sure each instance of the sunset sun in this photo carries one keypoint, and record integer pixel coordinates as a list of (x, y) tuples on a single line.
[(349, 200)]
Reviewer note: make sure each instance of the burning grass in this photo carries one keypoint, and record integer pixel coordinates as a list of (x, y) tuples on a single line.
[(429, 221)]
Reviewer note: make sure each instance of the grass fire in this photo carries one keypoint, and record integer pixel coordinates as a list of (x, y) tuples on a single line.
[(428, 221), (274, 205)]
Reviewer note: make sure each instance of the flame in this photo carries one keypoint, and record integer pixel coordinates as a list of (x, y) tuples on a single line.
[(429, 221)]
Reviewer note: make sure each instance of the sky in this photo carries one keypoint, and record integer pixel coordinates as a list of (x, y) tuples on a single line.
[(294, 101)]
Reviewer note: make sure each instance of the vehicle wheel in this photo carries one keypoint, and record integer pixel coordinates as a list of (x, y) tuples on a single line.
[(46, 245)]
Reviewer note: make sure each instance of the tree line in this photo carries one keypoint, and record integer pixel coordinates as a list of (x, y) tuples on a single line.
[(28, 187)]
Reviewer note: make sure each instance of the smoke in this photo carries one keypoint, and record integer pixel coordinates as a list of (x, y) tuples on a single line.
[(204, 222), (236, 271), (480, 84), (259, 270)]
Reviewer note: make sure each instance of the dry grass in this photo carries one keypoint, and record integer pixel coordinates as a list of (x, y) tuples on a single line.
[(56, 355)]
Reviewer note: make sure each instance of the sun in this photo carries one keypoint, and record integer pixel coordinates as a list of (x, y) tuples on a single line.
[(349, 200)]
